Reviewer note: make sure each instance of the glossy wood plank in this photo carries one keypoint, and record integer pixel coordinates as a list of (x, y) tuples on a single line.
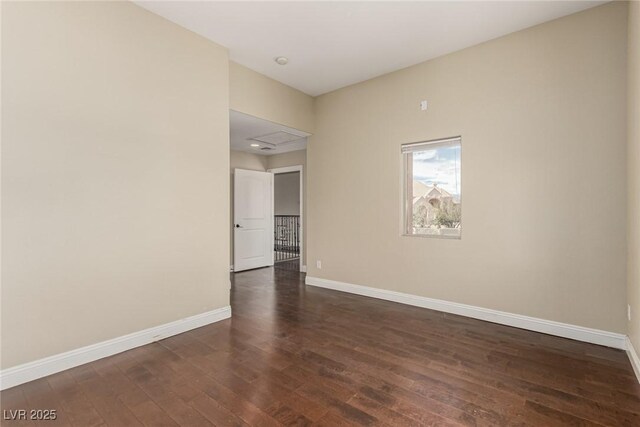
[(302, 356)]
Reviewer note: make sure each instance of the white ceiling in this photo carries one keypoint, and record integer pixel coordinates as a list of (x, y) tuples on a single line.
[(244, 127), (334, 44)]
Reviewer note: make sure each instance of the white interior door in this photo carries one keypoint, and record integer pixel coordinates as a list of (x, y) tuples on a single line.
[(252, 219)]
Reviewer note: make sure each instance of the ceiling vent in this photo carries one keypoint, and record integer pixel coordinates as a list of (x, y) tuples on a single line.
[(278, 138)]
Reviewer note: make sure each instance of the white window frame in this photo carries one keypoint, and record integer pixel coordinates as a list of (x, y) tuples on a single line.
[(406, 205)]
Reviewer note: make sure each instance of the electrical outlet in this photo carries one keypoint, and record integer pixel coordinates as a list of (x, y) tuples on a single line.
[(629, 311), (319, 264), (423, 105)]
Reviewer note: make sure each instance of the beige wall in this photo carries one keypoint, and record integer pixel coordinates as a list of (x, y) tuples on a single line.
[(244, 160), (115, 160), (259, 96), (633, 136), (542, 116)]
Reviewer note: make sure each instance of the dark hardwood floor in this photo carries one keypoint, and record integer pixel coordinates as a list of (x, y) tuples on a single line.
[(291, 265), (297, 355)]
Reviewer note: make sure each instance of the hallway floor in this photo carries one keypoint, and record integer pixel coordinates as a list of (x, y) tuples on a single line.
[(298, 355), (290, 265)]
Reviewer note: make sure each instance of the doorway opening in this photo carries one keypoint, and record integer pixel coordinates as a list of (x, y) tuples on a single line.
[(267, 194), (287, 219)]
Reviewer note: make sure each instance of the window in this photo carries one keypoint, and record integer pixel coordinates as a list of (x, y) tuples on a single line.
[(432, 196)]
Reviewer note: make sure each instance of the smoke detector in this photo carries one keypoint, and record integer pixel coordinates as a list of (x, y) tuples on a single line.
[(282, 60)]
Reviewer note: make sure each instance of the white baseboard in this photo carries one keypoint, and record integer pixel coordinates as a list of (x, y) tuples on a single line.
[(633, 358), (579, 333), (303, 268), (21, 374)]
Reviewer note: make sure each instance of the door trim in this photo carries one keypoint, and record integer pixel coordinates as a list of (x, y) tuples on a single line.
[(287, 169)]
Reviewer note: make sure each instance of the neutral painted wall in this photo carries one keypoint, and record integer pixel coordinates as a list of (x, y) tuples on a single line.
[(633, 136), (542, 114), (115, 160), (250, 161), (260, 96), (286, 193)]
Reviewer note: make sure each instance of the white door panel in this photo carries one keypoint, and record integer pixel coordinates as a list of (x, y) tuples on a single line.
[(251, 243), (253, 219), (252, 204)]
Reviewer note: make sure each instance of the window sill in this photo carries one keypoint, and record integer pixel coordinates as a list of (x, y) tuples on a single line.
[(433, 236)]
